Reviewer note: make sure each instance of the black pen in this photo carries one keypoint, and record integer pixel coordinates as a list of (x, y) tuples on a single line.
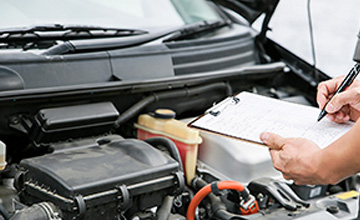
[(347, 82)]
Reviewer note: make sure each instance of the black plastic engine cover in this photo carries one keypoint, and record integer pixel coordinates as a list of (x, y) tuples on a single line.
[(100, 181), (66, 122)]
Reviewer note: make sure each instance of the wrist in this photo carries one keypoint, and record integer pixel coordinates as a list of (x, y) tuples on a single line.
[(322, 170), (325, 170)]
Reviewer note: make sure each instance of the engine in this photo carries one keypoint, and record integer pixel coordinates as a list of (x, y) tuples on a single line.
[(84, 169)]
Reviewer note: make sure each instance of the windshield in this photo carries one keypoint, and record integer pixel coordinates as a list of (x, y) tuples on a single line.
[(140, 14)]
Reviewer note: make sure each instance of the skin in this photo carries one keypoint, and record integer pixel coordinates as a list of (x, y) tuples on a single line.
[(303, 161)]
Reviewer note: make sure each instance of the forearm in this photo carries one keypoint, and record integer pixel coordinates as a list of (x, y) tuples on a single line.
[(342, 158)]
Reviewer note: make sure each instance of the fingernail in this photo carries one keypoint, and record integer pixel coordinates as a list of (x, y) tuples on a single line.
[(264, 137), (330, 108)]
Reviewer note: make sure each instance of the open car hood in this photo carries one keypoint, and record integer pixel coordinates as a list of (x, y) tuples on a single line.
[(250, 9)]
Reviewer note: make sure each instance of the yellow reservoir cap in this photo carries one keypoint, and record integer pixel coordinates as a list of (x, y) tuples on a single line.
[(164, 113)]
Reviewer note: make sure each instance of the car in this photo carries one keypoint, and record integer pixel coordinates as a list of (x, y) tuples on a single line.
[(95, 97)]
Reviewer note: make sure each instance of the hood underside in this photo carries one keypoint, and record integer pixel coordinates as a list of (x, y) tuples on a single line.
[(249, 9)]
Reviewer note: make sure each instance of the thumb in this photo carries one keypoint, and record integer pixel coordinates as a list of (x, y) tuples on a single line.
[(273, 141), (343, 98)]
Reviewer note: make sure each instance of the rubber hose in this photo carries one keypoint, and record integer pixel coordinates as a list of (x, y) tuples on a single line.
[(217, 206), (164, 211), (169, 145), (136, 108), (4, 213), (40, 211), (219, 209), (203, 192)]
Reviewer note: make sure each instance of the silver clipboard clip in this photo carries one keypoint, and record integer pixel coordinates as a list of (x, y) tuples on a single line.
[(218, 108)]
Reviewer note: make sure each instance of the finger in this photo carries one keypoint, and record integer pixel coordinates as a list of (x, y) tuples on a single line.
[(346, 118), (286, 177), (299, 183), (275, 156), (341, 116), (343, 98), (322, 95), (326, 89), (304, 182), (331, 117), (342, 120), (274, 141), (347, 113)]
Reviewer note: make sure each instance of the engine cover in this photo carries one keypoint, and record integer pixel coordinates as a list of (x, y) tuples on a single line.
[(112, 177)]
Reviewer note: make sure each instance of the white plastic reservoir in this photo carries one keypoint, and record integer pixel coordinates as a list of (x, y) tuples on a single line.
[(232, 159)]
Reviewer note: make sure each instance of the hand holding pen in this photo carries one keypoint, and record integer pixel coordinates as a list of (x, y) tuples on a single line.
[(335, 99)]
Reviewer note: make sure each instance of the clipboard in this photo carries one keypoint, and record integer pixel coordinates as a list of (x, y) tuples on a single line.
[(245, 115), (217, 110)]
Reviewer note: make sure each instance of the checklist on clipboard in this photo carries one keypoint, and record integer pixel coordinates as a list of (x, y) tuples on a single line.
[(246, 115)]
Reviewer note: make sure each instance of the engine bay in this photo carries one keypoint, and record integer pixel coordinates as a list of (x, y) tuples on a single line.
[(97, 160)]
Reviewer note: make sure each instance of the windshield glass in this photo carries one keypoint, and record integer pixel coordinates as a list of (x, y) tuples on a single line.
[(140, 14)]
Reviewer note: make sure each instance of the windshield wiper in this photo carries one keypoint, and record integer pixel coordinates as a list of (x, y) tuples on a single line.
[(117, 43), (195, 29), (63, 32)]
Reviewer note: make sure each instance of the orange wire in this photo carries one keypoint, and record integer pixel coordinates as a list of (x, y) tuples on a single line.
[(203, 192)]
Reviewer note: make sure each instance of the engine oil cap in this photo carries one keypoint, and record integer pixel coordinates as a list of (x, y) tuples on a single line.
[(164, 113), (333, 209)]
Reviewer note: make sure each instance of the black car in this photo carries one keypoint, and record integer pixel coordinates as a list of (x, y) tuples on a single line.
[(76, 80)]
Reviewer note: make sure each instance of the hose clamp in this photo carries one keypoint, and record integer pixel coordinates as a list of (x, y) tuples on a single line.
[(50, 212), (249, 206)]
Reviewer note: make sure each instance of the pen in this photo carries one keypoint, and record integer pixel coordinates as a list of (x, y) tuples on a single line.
[(347, 82)]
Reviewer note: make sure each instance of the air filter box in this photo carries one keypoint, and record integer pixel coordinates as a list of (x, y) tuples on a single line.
[(106, 180), (62, 123)]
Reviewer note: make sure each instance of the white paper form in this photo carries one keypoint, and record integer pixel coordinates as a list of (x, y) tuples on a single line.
[(253, 114)]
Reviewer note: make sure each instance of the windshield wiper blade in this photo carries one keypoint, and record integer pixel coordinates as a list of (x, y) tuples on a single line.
[(115, 43), (195, 29), (61, 27), (64, 32)]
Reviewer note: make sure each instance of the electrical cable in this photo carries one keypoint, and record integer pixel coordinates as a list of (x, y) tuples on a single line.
[(203, 192)]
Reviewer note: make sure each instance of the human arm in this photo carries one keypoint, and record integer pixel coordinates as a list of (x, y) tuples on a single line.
[(342, 158), (304, 162)]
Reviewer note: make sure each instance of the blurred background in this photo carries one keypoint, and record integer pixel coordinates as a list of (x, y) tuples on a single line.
[(336, 25)]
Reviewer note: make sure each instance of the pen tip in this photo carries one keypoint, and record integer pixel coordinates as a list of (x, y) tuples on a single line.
[(321, 115)]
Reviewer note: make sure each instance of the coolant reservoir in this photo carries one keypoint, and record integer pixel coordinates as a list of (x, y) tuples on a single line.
[(2, 155), (164, 124)]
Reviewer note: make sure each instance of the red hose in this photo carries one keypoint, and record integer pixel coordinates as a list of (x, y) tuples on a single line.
[(203, 192)]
